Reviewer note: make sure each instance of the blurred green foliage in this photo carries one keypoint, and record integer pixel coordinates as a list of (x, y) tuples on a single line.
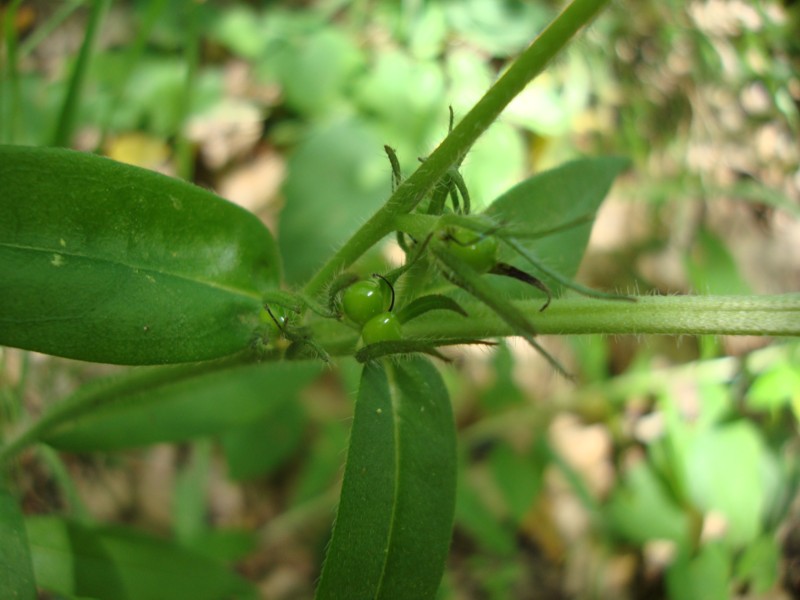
[(704, 462)]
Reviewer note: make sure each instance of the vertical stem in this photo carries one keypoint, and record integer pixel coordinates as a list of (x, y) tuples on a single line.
[(8, 73), (132, 56), (184, 149), (458, 142), (66, 118), (43, 31)]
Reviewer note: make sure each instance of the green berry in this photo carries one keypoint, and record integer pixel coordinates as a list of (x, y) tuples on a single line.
[(384, 327), (277, 321), (363, 300), (479, 252)]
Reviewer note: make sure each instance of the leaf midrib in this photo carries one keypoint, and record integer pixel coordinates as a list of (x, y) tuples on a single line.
[(394, 393), (146, 269)]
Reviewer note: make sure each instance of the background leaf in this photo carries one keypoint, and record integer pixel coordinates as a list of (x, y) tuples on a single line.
[(111, 263), (728, 469), (641, 510), (350, 179), (395, 516), (112, 562), (550, 199), (204, 405), (16, 569), (702, 577), (264, 444)]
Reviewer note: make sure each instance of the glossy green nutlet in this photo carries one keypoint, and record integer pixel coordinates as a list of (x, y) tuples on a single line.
[(479, 252), (363, 300), (277, 321), (384, 327)]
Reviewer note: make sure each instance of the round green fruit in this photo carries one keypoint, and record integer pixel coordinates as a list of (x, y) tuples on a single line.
[(384, 327), (479, 252), (363, 300), (277, 321)]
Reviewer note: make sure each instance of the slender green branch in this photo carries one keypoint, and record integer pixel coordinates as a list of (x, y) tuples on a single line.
[(9, 74), (45, 30), (459, 141), (191, 52), (777, 316), (670, 315), (69, 108)]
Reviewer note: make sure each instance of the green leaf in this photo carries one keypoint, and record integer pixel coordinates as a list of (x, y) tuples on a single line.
[(315, 70), (499, 28), (482, 524), (568, 193), (350, 180), (760, 563), (519, 478), (112, 562), (726, 469), (107, 262), (258, 447), (224, 545), (322, 467), (16, 569), (395, 515), (186, 408), (702, 577), (776, 387), (190, 492), (641, 510), (712, 269)]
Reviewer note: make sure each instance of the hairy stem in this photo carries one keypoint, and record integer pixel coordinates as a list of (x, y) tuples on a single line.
[(670, 315), (458, 142)]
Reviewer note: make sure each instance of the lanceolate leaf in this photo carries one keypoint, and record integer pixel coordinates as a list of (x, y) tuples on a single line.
[(111, 562), (111, 263), (16, 570), (395, 516), (571, 192), (188, 407)]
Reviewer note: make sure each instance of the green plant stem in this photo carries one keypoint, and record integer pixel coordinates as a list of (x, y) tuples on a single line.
[(669, 315), (43, 31), (458, 142), (69, 109), (183, 146), (9, 73)]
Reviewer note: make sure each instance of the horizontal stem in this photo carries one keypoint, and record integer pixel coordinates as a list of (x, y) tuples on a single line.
[(670, 315)]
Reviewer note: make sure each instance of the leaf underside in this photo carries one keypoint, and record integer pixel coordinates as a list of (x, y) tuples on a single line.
[(395, 516)]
